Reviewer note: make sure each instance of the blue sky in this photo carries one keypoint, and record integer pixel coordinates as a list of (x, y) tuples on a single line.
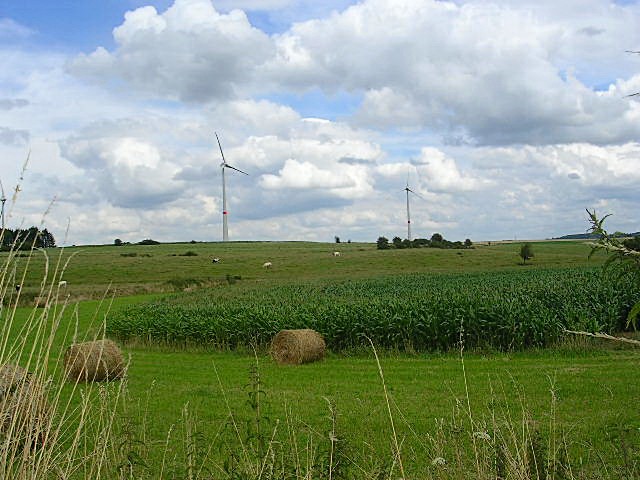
[(86, 24), (68, 24), (510, 118)]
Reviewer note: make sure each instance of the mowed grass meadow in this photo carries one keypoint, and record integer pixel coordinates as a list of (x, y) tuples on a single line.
[(198, 407), (91, 271)]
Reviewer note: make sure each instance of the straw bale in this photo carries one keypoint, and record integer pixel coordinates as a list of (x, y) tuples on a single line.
[(40, 302), (24, 408), (298, 346), (95, 361)]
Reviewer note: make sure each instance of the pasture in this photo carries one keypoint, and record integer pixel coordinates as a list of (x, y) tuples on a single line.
[(93, 271), (194, 410)]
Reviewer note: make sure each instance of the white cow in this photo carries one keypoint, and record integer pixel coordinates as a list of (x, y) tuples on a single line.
[(215, 260), (62, 284), (267, 265), (336, 254)]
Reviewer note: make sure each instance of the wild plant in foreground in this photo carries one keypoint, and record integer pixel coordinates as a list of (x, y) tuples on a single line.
[(626, 260), (49, 428)]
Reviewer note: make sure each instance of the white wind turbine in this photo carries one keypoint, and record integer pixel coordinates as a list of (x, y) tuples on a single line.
[(223, 165), (3, 199), (407, 189)]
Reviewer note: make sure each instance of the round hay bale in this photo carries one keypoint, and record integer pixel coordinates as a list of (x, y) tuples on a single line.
[(40, 302), (297, 346), (24, 408), (95, 361), (11, 376)]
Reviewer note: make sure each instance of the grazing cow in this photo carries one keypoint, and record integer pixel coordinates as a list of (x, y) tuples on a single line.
[(18, 287), (215, 260), (336, 254), (267, 265), (62, 284)]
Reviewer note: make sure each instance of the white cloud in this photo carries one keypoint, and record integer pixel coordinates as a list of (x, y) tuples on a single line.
[(10, 29), (13, 137), (477, 72), (348, 181), (441, 174), (498, 73), (189, 52), (133, 153), (128, 172), (11, 103)]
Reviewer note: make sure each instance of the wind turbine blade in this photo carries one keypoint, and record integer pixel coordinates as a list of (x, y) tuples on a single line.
[(415, 193), (633, 94), (234, 168), (632, 51), (224, 162), (2, 188)]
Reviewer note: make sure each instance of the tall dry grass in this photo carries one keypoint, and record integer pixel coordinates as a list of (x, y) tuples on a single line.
[(49, 428)]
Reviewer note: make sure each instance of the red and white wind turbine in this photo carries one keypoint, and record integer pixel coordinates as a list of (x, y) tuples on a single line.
[(223, 165), (407, 189)]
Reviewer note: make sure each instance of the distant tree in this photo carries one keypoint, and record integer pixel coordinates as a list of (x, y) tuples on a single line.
[(397, 242), (46, 239), (337, 239), (406, 243), (436, 237), (632, 243), (117, 242), (8, 237), (526, 252), (31, 237), (148, 241), (421, 242), (382, 243), (27, 239), (468, 243)]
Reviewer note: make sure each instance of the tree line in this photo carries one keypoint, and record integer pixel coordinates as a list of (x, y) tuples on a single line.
[(436, 241), (26, 239)]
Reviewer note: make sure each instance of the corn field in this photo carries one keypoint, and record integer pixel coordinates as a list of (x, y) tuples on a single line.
[(505, 311)]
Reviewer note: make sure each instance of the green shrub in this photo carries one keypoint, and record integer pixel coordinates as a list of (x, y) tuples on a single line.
[(632, 243), (148, 241), (182, 283), (382, 243), (526, 252)]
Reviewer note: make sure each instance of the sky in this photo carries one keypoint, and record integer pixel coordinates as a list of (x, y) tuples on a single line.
[(507, 118)]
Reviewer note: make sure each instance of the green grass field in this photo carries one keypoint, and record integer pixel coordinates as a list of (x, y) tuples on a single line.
[(567, 411), (133, 269)]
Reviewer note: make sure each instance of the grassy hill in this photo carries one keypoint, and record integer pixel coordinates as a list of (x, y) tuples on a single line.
[(91, 272), (560, 412)]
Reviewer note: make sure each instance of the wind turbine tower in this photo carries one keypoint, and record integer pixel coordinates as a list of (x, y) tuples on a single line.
[(3, 199), (223, 165), (408, 190)]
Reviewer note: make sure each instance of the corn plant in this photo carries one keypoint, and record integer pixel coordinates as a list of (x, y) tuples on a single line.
[(506, 311)]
